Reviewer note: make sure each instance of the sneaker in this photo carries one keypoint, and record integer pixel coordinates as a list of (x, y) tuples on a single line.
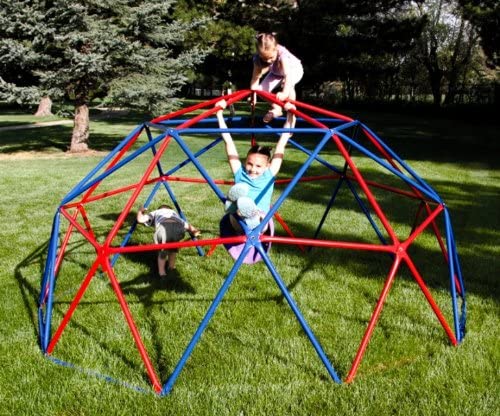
[(271, 115)]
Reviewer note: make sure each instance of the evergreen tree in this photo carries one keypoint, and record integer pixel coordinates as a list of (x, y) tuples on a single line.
[(130, 51), (21, 54)]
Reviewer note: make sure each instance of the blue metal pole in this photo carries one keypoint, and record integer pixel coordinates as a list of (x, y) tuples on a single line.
[(76, 190), (328, 207), (458, 270), (170, 172), (179, 210), (298, 314), (295, 180), (366, 211), (319, 159), (197, 164), (170, 191), (50, 282), (400, 161), (206, 319), (451, 265), (197, 154), (425, 190), (105, 174)]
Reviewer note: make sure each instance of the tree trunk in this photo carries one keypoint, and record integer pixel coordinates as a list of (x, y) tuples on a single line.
[(44, 107), (460, 61), (435, 80), (80, 136), (431, 62)]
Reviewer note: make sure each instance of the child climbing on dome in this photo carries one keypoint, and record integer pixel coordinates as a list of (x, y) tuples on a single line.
[(250, 197), (282, 68), (169, 227)]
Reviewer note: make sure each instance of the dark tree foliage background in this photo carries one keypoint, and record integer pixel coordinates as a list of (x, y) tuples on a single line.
[(145, 54)]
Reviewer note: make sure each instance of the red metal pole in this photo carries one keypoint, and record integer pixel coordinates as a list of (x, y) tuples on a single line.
[(135, 333), (359, 178), (373, 319), (73, 305), (233, 98), (81, 229), (179, 244), (366, 190), (81, 209), (422, 227), (328, 243), (110, 193), (431, 301), (64, 244), (352, 178), (286, 228), (299, 104), (113, 163)]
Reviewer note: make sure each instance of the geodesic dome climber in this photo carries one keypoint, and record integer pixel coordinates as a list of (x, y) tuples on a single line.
[(341, 153)]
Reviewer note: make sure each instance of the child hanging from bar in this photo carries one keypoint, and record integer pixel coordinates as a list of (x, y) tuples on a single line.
[(250, 197)]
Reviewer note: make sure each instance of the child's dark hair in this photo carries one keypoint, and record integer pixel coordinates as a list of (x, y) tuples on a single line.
[(266, 40), (165, 206), (261, 150)]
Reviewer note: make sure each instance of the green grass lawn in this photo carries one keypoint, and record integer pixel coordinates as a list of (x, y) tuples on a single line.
[(253, 358)]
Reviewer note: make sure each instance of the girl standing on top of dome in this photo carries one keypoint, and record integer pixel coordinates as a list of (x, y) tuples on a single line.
[(282, 69)]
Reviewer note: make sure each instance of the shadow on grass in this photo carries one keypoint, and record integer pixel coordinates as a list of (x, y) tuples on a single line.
[(36, 140), (474, 215), (50, 138), (411, 136), (58, 137), (143, 287), (474, 212), (437, 139)]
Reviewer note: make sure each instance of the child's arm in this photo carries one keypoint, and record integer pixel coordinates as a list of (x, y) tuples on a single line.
[(279, 152), (257, 73), (192, 230), (142, 218), (232, 154)]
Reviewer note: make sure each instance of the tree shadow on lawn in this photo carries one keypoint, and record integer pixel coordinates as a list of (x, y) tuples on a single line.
[(424, 138), (142, 287), (36, 140), (30, 296), (58, 137), (437, 139), (474, 215)]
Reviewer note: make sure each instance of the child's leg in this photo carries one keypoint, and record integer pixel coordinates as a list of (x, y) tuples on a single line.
[(172, 255), (270, 83), (172, 231), (162, 261)]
